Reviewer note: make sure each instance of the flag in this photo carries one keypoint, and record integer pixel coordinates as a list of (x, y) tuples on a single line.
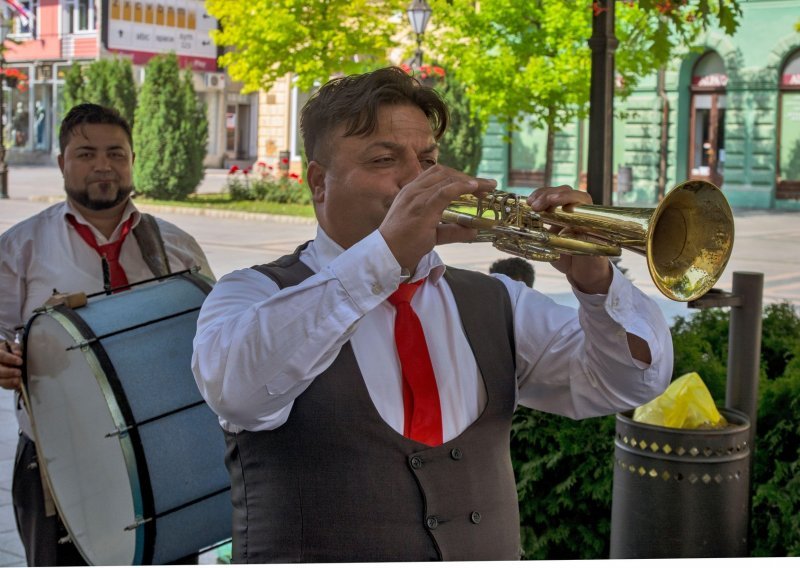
[(25, 15)]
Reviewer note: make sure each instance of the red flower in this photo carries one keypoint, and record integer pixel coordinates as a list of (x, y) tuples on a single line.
[(284, 160), (245, 171), (233, 170), (597, 9)]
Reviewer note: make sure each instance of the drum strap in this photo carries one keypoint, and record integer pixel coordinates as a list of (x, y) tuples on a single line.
[(151, 244)]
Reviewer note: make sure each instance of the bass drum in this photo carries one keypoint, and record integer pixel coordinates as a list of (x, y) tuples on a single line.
[(133, 456)]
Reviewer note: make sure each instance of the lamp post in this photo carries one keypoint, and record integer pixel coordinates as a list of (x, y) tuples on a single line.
[(3, 166), (419, 14), (603, 44)]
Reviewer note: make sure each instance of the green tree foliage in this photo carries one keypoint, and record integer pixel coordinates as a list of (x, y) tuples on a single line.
[(781, 332), (170, 133), (73, 86), (461, 146), (564, 471), (313, 39), (107, 82), (194, 129), (532, 58), (564, 468), (700, 343), (775, 519)]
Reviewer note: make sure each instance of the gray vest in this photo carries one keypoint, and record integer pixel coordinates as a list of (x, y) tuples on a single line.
[(336, 483)]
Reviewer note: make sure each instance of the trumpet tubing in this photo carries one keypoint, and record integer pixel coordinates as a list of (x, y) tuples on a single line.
[(687, 240)]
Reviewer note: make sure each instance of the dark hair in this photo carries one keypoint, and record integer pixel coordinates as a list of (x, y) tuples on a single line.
[(89, 113), (515, 268), (355, 100)]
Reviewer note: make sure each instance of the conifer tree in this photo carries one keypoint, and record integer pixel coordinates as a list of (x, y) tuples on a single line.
[(167, 132), (107, 82), (73, 87), (196, 132)]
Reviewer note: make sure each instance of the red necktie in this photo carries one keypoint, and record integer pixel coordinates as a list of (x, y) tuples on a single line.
[(423, 413), (110, 251)]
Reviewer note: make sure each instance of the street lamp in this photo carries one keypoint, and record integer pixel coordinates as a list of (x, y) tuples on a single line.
[(3, 166), (419, 14)]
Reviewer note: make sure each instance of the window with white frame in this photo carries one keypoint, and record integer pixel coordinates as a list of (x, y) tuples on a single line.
[(79, 16), (21, 16)]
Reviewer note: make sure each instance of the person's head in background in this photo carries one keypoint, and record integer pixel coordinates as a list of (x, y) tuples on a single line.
[(515, 268)]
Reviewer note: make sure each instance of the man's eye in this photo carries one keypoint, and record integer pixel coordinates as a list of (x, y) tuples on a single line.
[(428, 162)]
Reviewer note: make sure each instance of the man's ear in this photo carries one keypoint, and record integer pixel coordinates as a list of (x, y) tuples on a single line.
[(61, 162), (315, 176)]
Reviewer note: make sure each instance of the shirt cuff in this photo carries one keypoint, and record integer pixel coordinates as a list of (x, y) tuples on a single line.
[(625, 308), (368, 271)]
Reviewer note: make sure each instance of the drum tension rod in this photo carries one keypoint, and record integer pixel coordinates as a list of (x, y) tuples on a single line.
[(128, 427), (88, 342), (192, 270), (140, 522)]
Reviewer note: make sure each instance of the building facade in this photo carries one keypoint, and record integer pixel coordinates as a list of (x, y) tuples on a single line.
[(727, 111), (49, 36)]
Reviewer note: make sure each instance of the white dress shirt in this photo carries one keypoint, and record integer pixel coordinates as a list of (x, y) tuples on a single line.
[(45, 252), (258, 348)]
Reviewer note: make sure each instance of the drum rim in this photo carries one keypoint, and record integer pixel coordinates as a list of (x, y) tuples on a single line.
[(121, 414)]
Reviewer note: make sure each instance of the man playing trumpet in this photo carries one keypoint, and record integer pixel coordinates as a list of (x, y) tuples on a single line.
[(366, 389)]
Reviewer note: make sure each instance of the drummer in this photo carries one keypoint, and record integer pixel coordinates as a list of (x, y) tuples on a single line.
[(94, 240)]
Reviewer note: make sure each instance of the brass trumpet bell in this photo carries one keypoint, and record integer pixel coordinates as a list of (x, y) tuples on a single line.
[(687, 240)]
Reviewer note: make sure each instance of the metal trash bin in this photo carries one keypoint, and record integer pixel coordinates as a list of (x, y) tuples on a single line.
[(680, 493)]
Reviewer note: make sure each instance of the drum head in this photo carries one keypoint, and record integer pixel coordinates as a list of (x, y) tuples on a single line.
[(92, 476)]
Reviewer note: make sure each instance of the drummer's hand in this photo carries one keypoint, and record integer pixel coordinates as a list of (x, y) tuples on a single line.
[(589, 274), (10, 366)]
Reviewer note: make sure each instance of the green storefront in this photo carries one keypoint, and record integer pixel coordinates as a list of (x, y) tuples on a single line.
[(727, 112)]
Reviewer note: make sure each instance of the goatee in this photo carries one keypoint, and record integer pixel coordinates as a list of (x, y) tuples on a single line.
[(82, 197)]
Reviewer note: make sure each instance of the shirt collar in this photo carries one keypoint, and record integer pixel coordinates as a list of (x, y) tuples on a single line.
[(129, 211), (326, 250)]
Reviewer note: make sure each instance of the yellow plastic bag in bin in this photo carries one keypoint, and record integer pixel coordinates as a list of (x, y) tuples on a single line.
[(685, 404)]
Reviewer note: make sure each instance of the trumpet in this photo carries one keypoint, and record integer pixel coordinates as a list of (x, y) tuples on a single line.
[(687, 240)]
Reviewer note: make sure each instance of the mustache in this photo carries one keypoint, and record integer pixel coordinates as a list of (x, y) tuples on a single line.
[(102, 179)]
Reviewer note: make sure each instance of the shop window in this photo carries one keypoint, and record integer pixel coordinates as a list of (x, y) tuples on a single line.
[(17, 119), (788, 182)]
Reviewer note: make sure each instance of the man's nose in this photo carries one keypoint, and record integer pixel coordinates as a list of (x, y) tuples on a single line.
[(102, 163), (411, 169)]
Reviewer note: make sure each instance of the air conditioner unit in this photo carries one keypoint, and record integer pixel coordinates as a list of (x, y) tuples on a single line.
[(215, 81)]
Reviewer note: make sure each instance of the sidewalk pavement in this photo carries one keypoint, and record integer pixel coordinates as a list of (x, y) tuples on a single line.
[(765, 242)]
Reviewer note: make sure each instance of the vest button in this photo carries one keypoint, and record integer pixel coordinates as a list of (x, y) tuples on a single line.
[(432, 522), (455, 453), (416, 462), (475, 517)]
